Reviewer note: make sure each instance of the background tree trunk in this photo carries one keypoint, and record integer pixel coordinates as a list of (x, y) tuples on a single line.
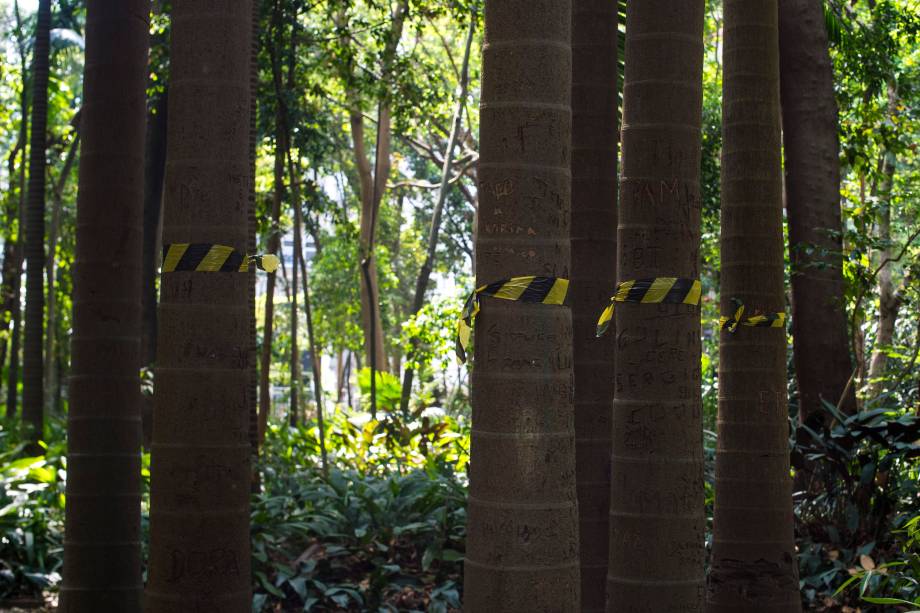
[(594, 252), (102, 549), (32, 375), (199, 517), (424, 275), (274, 237), (372, 185), (317, 374), (12, 390), (656, 500), (154, 173), (51, 373), (294, 179), (889, 300), (821, 350), (754, 567), (522, 535)]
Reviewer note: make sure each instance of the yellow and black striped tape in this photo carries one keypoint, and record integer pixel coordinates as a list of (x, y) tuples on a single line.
[(770, 320), (548, 290), (208, 257), (671, 290)]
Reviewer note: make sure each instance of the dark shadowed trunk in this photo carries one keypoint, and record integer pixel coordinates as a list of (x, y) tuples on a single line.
[(754, 564), (32, 374), (821, 348), (522, 544), (102, 548), (201, 468), (593, 235)]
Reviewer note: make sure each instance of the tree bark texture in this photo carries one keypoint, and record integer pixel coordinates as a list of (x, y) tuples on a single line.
[(32, 375), (102, 540), (656, 500), (199, 518), (754, 567), (522, 544), (593, 236), (821, 350)]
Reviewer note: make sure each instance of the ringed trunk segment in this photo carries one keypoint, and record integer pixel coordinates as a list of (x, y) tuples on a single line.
[(593, 237), (522, 548), (754, 567), (199, 518), (102, 549), (656, 500)]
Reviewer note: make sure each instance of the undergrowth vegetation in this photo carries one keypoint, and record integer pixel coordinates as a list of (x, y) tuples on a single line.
[(383, 527)]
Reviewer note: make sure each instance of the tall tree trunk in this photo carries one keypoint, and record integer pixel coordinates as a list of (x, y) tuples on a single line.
[(754, 567), (12, 247), (51, 374), (522, 544), (154, 173), (295, 378), (372, 184), (594, 252), (889, 300), (32, 375), (821, 350), (371, 196), (102, 549), (656, 500), (12, 391), (314, 354), (424, 275), (199, 517), (274, 237)]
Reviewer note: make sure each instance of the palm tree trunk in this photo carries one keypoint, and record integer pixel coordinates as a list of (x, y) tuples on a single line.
[(102, 549), (821, 348), (32, 375), (754, 567), (201, 464), (656, 500), (594, 250), (522, 543)]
